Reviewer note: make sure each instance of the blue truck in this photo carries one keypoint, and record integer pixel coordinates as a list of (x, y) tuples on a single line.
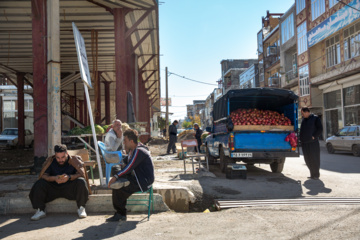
[(231, 141)]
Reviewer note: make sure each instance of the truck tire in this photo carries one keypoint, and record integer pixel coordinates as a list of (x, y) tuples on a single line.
[(224, 160), (277, 166), (210, 158)]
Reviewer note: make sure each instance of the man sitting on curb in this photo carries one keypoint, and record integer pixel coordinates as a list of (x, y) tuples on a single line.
[(136, 175), (62, 176)]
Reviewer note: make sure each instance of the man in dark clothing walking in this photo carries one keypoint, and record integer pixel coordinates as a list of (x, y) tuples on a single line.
[(198, 133), (310, 131), (136, 174), (172, 137)]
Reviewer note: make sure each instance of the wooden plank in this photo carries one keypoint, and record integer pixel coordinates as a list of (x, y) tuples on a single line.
[(263, 128)]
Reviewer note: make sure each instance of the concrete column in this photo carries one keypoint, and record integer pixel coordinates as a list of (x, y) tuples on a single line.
[(136, 80), (54, 79), (107, 102), (20, 110), (39, 47), (120, 63)]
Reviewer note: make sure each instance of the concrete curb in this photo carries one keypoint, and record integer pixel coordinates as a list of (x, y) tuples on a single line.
[(98, 203)]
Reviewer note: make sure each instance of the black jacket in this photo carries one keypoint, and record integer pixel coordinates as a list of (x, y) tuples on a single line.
[(198, 134), (310, 127), (173, 131), (142, 165)]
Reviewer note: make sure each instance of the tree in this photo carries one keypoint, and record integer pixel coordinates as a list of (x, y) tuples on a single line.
[(186, 124), (162, 123)]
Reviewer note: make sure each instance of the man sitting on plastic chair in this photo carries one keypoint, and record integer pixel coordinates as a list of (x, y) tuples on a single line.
[(135, 174), (113, 142)]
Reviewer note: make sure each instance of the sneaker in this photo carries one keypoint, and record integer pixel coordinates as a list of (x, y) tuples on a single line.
[(39, 214), (116, 218), (119, 183), (81, 212)]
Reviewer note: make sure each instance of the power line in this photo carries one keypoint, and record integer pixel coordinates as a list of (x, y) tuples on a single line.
[(348, 5), (193, 80)]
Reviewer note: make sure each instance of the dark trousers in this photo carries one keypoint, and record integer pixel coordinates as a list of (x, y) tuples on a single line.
[(311, 153), (199, 144), (171, 145), (120, 196), (43, 192)]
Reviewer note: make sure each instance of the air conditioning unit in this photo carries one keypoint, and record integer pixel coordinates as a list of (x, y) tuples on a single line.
[(274, 81), (271, 50)]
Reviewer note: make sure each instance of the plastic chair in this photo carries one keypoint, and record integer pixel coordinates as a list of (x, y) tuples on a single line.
[(149, 202), (108, 165)]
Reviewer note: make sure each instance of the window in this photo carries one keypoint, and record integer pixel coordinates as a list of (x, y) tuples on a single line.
[(317, 8), (287, 29), (301, 38), (332, 3), (260, 43), (333, 51), (352, 41), (300, 5), (304, 80)]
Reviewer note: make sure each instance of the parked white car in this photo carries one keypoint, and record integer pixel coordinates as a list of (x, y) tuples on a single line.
[(347, 139), (9, 138)]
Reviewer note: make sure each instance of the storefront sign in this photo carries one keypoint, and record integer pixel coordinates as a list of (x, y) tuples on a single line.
[(334, 23)]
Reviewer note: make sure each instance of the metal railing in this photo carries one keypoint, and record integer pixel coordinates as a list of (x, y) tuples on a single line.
[(290, 75)]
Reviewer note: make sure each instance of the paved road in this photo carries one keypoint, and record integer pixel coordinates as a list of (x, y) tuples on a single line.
[(339, 178)]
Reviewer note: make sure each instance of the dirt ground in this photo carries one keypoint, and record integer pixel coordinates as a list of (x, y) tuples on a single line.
[(15, 158)]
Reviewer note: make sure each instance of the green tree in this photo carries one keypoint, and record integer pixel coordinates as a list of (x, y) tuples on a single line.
[(186, 124), (162, 123)]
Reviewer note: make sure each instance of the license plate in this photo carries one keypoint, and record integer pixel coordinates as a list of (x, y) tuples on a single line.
[(244, 155)]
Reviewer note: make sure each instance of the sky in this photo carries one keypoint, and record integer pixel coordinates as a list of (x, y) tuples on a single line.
[(196, 35)]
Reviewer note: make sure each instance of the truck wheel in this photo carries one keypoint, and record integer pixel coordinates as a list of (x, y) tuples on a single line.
[(356, 150), (224, 160), (211, 159), (330, 148), (278, 166)]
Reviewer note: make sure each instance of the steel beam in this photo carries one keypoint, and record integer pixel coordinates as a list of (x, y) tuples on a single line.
[(20, 110), (39, 47)]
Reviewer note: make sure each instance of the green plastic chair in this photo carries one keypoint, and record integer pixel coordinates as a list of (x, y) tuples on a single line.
[(149, 202)]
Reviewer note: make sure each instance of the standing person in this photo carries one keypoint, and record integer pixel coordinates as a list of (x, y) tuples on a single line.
[(310, 131), (172, 137), (62, 176), (136, 175), (198, 133), (113, 142)]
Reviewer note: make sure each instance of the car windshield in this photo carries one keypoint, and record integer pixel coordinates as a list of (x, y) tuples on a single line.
[(10, 132)]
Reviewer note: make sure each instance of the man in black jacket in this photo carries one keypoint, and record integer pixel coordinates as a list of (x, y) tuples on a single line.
[(172, 137), (310, 131), (136, 175), (198, 133)]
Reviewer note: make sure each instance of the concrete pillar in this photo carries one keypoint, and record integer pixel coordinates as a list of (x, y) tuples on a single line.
[(120, 63), (39, 47), (107, 102), (20, 110), (54, 79)]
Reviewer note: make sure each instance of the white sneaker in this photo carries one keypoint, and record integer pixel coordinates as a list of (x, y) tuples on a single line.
[(119, 183), (39, 214), (81, 212)]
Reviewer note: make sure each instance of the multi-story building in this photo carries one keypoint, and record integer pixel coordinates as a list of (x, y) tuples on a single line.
[(328, 58), (198, 105), (250, 77), (189, 111), (288, 51), (269, 51), (230, 70)]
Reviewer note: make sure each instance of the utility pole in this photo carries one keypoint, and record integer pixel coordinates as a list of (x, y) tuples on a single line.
[(167, 103)]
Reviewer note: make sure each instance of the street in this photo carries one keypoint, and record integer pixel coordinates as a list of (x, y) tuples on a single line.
[(339, 176)]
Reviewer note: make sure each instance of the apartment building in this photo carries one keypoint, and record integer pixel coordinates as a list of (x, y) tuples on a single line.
[(328, 39)]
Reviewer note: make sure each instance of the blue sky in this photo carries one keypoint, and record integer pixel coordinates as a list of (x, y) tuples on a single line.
[(195, 35)]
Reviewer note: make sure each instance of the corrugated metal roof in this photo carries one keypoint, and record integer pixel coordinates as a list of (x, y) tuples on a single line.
[(92, 15)]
